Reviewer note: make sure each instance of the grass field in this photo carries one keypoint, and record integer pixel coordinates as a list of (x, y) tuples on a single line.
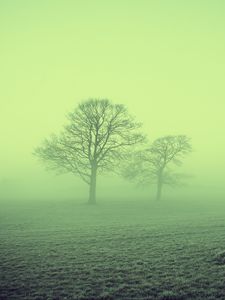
[(115, 250)]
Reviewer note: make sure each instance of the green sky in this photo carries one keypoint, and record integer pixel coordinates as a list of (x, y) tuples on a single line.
[(165, 59)]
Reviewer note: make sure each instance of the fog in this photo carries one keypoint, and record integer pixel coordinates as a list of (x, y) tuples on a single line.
[(163, 59)]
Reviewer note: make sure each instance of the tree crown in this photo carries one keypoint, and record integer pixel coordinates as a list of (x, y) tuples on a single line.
[(98, 134)]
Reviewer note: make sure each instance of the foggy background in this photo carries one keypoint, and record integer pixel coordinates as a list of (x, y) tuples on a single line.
[(163, 59)]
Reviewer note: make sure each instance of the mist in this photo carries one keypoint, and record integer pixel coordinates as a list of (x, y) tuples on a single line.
[(163, 61), (169, 75)]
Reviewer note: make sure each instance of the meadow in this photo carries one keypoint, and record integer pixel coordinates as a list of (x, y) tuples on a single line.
[(118, 249)]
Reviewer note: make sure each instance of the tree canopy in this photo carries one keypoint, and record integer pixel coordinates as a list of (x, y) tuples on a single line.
[(153, 164), (98, 136)]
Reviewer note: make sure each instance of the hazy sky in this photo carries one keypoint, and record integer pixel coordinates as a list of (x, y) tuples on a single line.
[(165, 59)]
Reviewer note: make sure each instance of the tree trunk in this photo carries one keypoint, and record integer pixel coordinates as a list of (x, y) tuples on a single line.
[(92, 191), (159, 187), (159, 190)]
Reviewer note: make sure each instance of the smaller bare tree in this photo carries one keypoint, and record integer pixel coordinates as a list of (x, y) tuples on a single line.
[(98, 136), (153, 165)]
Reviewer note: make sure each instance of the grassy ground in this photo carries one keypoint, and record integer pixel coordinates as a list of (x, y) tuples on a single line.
[(116, 250)]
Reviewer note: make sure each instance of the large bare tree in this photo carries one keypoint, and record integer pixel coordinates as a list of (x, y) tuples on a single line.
[(153, 165), (98, 136)]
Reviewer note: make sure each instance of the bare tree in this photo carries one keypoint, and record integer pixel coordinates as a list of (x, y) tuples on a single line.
[(98, 136), (153, 165)]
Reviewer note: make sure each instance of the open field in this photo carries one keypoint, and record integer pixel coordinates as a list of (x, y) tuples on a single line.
[(115, 250)]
